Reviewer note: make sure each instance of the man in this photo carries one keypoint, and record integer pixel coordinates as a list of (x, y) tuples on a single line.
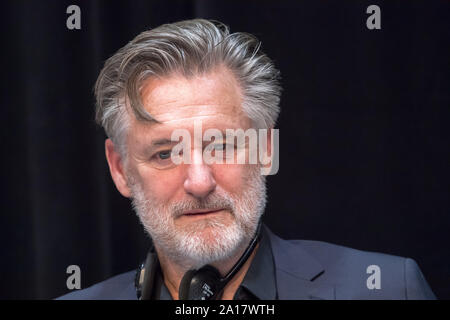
[(196, 77)]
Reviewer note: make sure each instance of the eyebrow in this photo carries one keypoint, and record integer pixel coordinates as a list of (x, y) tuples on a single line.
[(161, 142), (165, 141)]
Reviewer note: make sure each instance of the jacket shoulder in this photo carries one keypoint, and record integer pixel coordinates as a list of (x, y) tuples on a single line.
[(358, 274), (317, 269), (119, 287)]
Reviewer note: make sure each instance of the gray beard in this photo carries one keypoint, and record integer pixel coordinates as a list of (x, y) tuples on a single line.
[(185, 246)]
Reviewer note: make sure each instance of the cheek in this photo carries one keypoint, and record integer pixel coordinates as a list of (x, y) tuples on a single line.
[(231, 177), (163, 185)]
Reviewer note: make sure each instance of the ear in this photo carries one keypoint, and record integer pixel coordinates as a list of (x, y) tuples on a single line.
[(269, 141), (269, 148), (116, 168)]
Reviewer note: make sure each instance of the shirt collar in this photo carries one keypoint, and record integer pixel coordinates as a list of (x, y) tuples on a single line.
[(260, 277)]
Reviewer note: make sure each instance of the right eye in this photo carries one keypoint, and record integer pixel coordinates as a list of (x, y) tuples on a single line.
[(163, 155), (162, 159)]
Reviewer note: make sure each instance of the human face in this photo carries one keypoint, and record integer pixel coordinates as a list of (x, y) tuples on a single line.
[(196, 213)]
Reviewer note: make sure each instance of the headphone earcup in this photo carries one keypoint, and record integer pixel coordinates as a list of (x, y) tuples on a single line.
[(202, 284), (183, 292)]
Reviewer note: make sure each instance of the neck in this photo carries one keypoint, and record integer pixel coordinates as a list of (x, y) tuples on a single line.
[(173, 272)]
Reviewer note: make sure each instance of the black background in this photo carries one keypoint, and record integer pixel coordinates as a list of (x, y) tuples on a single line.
[(364, 153)]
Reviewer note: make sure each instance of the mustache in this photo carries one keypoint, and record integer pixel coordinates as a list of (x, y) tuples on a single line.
[(213, 202)]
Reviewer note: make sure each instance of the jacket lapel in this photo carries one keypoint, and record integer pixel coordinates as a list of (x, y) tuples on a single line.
[(297, 272)]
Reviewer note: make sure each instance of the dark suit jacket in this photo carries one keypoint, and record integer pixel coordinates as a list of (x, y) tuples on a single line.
[(307, 269)]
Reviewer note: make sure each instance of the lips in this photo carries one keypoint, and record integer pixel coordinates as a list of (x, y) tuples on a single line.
[(201, 212)]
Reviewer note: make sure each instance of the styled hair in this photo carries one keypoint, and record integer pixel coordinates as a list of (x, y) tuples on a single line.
[(189, 48)]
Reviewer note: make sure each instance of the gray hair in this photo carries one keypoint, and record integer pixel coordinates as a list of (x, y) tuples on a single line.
[(189, 48)]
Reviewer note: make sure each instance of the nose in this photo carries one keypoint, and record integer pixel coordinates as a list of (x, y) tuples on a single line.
[(200, 180)]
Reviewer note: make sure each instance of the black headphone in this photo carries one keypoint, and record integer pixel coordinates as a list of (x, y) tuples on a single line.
[(205, 283)]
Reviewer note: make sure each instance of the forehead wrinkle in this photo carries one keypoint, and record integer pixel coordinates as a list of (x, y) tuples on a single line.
[(197, 112), (193, 118), (170, 95), (175, 105)]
